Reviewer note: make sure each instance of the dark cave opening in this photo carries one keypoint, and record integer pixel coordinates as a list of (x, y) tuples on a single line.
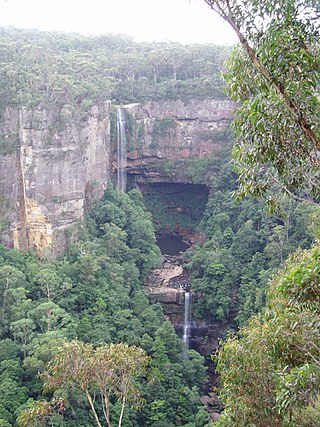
[(177, 209), (171, 245)]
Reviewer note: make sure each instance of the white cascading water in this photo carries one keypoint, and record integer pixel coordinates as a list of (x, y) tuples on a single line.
[(121, 150), (187, 318)]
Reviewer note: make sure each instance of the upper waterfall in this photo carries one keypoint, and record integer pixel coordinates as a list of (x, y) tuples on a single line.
[(121, 150)]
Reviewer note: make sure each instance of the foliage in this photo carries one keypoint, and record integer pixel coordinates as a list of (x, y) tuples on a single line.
[(38, 413), (242, 246), (92, 292), (190, 170), (275, 78), (110, 370), (54, 70), (270, 370)]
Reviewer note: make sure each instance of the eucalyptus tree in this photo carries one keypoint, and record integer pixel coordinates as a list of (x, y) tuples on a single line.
[(274, 75), (108, 371), (269, 371)]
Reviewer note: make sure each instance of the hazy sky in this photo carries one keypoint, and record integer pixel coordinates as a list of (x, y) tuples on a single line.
[(184, 21)]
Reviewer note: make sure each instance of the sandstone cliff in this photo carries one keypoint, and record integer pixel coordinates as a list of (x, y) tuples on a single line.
[(55, 166), (173, 130), (54, 163)]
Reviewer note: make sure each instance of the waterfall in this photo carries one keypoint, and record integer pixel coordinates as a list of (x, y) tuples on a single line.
[(121, 150), (187, 318)]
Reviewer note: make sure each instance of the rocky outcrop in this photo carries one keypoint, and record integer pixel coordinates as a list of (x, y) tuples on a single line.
[(159, 284), (167, 284), (58, 163)]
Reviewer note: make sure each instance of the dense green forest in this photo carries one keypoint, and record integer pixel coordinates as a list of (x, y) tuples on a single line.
[(73, 317), (243, 243), (269, 370), (244, 246), (94, 293), (53, 69)]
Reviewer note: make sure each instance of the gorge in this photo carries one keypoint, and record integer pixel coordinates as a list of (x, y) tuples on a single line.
[(118, 229), (59, 167)]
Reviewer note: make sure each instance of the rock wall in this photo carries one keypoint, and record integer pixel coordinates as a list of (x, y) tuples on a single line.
[(53, 163), (173, 130), (58, 163)]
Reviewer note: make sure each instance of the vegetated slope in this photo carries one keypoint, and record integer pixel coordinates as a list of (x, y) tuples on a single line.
[(94, 293), (270, 370), (242, 245)]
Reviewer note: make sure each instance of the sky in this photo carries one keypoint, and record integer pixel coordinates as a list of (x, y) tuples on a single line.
[(183, 21)]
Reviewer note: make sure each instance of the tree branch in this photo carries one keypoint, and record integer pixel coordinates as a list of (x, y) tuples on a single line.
[(122, 410), (300, 199), (301, 120)]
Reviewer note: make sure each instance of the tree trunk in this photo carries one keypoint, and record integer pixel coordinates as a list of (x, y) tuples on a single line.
[(107, 410), (122, 410), (93, 408)]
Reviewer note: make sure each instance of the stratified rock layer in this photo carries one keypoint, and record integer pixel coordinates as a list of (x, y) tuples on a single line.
[(54, 163), (173, 130), (58, 164)]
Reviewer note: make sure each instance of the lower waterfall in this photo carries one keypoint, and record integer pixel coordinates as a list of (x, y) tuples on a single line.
[(187, 318)]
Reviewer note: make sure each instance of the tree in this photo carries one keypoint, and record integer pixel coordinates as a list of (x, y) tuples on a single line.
[(11, 280), (39, 412), (111, 370), (270, 370), (22, 331), (50, 284), (13, 394), (49, 316), (275, 78), (58, 70)]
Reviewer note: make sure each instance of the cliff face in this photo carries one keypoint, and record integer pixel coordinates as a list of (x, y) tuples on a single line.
[(52, 169), (54, 164), (173, 130)]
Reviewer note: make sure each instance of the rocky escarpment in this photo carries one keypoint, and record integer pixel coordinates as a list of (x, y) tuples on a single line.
[(53, 163), (171, 130)]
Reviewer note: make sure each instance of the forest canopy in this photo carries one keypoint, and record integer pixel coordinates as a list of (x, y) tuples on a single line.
[(94, 293), (54, 69)]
